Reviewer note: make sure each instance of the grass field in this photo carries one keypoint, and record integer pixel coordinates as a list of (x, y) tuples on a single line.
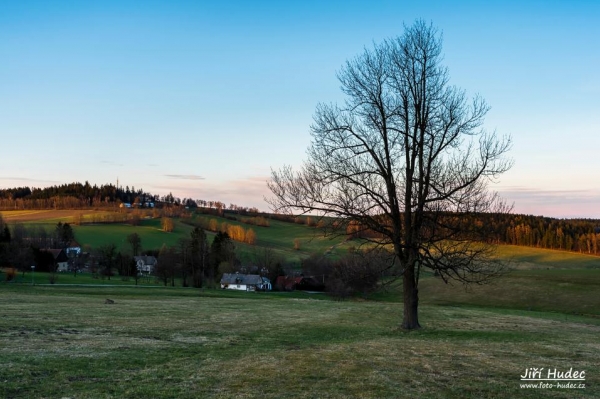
[(45, 216), (175, 343), (96, 235), (279, 237), (572, 292), (538, 258)]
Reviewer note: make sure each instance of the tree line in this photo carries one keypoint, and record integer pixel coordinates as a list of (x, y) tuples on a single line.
[(577, 235), (84, 195), (24, 246), (234, 232)]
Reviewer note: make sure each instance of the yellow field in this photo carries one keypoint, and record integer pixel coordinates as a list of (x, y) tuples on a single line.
[(42, 216)]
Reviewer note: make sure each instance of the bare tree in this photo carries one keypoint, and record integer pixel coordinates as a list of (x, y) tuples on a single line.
[(135, 241), (405, 157), (166, 268), (107, 259), (199, 251)]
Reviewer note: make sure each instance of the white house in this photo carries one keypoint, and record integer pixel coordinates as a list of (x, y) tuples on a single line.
[(145, 264), (245, 282)]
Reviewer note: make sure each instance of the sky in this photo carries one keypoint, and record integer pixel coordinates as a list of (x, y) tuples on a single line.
[(203, 99)]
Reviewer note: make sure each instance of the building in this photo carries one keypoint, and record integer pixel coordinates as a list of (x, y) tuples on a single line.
[(60, 259), (145, 264), (245, 282)]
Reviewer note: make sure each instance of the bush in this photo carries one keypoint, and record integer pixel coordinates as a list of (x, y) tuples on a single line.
[(338, 288), (10, 273), (167, 224), (357, 273)]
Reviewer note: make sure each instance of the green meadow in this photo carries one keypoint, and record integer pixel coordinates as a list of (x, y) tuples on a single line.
[(538, 258), (153, 237), (59, 342), (279, 237)]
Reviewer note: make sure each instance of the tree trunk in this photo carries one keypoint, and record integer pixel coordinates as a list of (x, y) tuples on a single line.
[(411, 300)]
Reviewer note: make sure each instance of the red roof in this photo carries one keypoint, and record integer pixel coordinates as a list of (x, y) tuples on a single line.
[(288, 283)]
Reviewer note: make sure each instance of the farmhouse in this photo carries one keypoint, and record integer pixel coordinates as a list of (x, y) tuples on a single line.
[(245, 282), (145, 264), (61, 261)]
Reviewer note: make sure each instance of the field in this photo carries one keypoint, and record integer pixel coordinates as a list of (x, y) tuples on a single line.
[(46, 216), (149, 230), (280, 237), (536, 258), (167, 343)]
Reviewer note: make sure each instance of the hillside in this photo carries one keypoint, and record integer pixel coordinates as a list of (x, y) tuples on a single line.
[(279, 236)]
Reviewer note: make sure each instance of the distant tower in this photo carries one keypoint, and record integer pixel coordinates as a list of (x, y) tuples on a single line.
[(117, 183)]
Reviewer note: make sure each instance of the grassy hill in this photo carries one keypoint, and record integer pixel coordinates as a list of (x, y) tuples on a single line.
[(153, 237), (538, 258), (279, 236)]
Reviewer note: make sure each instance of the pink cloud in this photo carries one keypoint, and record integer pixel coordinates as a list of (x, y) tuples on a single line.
[(554, 203), (249, 191)]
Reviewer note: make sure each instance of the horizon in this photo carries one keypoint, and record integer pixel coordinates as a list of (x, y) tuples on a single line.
[(202, 100), (261, 210)]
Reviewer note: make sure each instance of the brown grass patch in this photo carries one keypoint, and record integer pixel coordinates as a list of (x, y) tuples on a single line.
[(64, 215)]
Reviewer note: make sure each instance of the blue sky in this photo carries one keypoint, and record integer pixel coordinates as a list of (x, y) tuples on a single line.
[(201, 99)]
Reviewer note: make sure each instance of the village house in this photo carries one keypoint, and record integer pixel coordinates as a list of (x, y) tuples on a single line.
[(245, 282), (145, 264), (61, 261)]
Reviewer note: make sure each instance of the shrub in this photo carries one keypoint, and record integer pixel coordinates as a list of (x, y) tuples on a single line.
[(10, 273), (250, 237), (357, 273), (167, 224)]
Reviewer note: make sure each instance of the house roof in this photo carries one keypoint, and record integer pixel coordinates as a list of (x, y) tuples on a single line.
[(58, 254), (288, 282), (147, 259), (236, 278)]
